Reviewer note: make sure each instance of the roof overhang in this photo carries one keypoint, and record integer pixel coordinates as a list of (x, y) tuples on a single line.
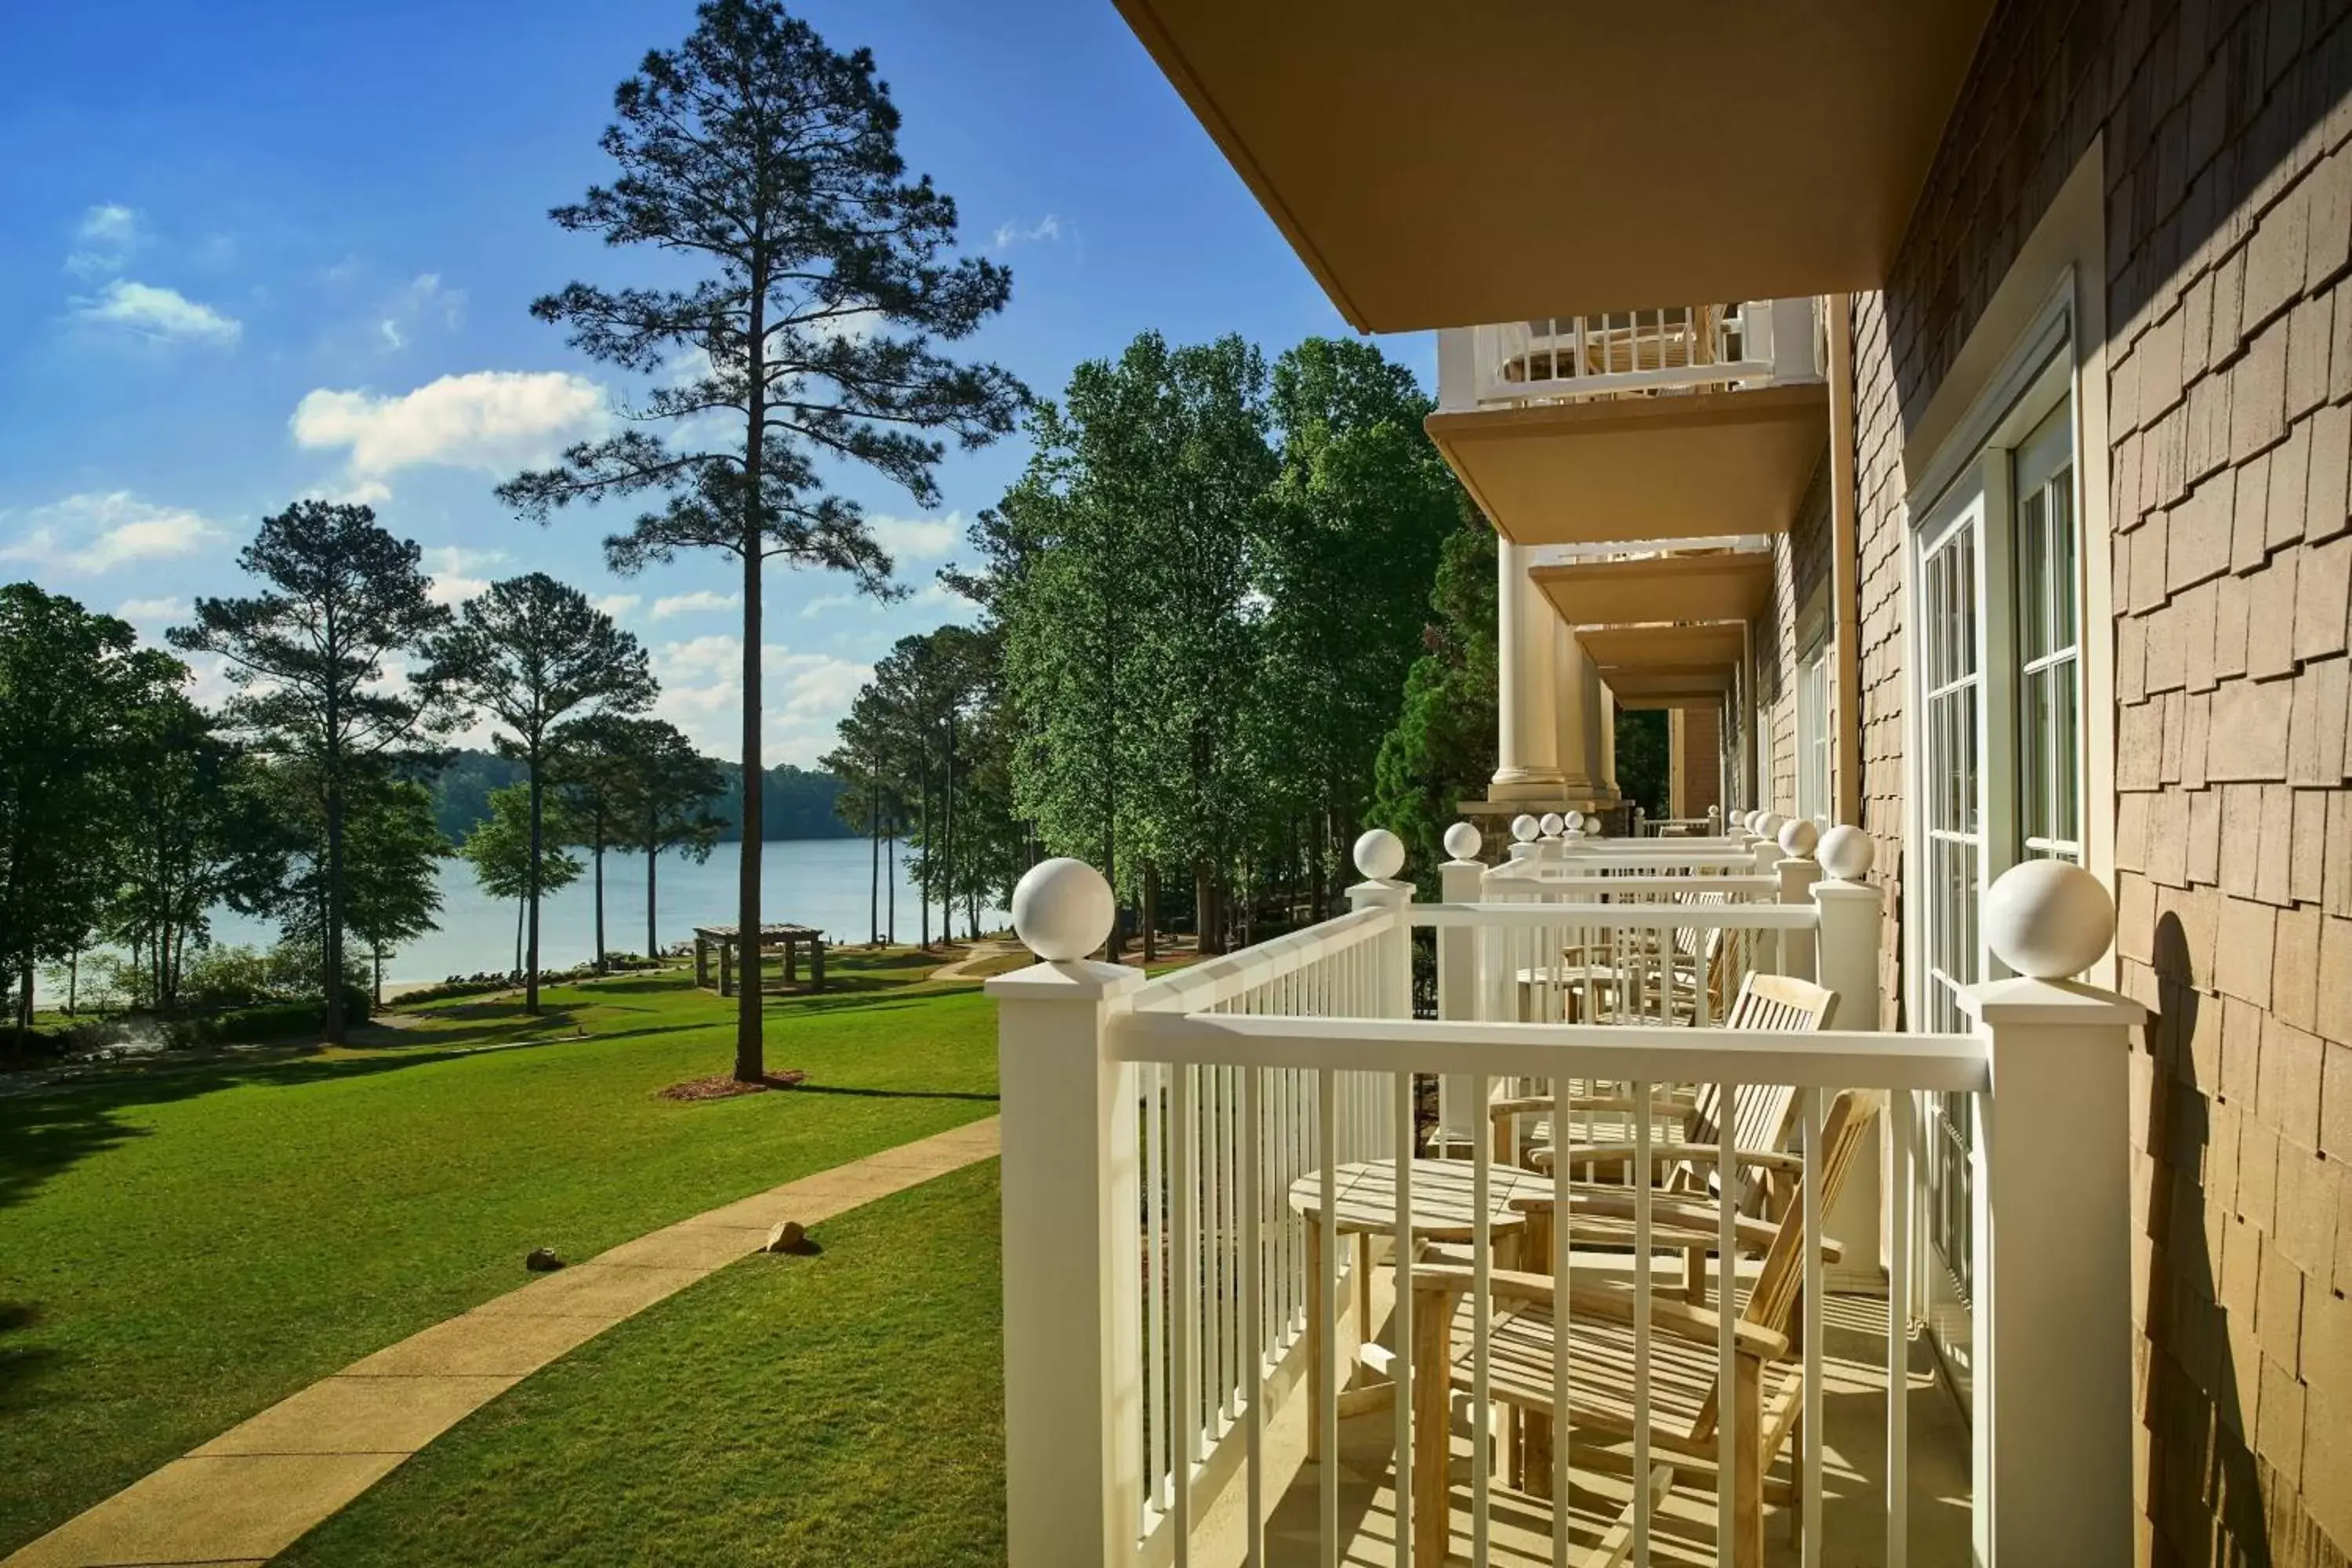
[(1445, 165), (1621, 651), (1688, 465), (1728, 586)]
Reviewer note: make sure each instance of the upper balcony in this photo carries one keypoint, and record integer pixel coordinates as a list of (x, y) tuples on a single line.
[(1630, 354), (1676, 422)]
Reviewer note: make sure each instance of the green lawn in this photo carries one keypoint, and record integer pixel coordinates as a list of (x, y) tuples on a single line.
[(182, 1247), (845, 1408)]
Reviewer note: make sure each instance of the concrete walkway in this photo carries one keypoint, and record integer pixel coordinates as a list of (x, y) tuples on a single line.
[(254, 1490)]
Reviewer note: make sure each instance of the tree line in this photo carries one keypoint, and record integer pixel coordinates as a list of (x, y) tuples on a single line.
[(796, 802), (1200, 607), (130, 813)]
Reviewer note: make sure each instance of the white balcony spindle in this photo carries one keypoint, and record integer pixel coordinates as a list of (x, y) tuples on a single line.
[(1074, 1400), (2052, 1430)]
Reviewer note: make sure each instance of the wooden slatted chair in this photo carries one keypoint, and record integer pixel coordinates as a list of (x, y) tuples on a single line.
[(1685, 1398), (1686, 1131)]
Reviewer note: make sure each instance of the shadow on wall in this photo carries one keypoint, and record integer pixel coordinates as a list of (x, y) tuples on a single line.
[(2198, 1367)]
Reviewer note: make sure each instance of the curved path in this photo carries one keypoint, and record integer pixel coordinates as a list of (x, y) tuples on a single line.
[(254, 1490)]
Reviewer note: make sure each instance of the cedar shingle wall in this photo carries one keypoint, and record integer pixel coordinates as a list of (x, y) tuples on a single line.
[(2229, 223)]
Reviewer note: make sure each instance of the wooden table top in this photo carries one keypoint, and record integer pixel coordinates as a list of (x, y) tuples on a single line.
[(1444, 1197)]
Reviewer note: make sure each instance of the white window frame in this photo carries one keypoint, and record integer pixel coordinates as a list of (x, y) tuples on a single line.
[(1815, 800)]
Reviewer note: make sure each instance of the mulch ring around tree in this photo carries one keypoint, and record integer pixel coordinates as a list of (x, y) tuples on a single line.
[(725, 1086)]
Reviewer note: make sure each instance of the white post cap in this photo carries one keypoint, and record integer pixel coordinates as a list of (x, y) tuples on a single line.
[(1463, 841), (1551, 824), (1845, 853), (2048, 920), (1526, 829), (1798, 837), (1062, 910), (1379, 853)]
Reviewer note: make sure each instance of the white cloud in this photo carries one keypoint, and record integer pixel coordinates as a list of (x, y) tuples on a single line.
[(917, 538), (105, 238), (495, 420), (1009, 234), (806, 694), (145, 611), (423, 301), (92, 533), (823, 603), (615, 604), (154, 312), (456, 572), (696, 602)]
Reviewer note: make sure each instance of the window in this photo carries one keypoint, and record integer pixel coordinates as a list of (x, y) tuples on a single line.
[(1998, 733), (1813, 803)]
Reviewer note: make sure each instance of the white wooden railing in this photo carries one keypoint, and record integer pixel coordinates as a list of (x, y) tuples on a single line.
[(1166, 1305), (1673, 348)]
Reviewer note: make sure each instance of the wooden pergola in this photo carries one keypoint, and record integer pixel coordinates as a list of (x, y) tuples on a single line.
[(728, 942)]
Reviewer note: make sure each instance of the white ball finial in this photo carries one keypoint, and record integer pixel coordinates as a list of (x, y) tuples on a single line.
[(1845, 853), (1062, 910), (1747, 820), (1575, 821), (2048, 920), (1379, 853), (1552, 822), (1526, 829), (1463, 841), (1798, 837)]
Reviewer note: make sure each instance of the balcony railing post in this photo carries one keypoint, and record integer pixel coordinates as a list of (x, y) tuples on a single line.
[(1846, 960), (2051, 1435), (1714, 822), (1380, 856), (1072, 1303), (1768, 845), (1798, 871), (1460, 980)]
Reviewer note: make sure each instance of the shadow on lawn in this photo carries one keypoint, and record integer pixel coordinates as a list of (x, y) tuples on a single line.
[(977, 1096), (21, 1366)]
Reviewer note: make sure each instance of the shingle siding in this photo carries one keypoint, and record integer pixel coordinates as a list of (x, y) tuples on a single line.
[(2229, 235)]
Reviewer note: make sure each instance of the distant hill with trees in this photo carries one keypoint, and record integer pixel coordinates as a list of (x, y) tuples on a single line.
[(795, 803)]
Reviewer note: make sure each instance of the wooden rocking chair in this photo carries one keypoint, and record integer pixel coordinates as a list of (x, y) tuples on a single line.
[(1687, 1401)]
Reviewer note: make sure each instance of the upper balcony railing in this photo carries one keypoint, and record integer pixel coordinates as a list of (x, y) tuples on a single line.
[(1630, 354)]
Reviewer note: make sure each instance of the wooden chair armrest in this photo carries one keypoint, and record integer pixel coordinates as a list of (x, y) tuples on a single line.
[(1519, 1105), (1697, 1154), (1589, 1299)]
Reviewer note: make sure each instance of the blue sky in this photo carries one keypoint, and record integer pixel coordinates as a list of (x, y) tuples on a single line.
[(259, 251)]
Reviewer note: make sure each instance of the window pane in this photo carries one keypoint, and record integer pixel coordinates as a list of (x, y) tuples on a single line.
[(2062, 558)]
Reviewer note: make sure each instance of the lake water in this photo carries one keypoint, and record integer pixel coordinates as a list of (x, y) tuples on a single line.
[(820, 882)]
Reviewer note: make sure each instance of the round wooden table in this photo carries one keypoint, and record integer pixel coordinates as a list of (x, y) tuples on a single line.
[(1444, 1209)]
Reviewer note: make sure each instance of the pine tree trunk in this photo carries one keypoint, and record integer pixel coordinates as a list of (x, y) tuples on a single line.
[(600, 889), (891, 904), (518, 909), (531, 893), (653, 855), (1150, 912), (874, 861), (923, 883), (947, 844), (751, 1054)]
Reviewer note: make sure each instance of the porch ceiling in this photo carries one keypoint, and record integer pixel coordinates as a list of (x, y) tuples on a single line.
[(1676, 686), (1655, 650), (1445, 165), (1730, 587), (1650, 703), (1692, 464)]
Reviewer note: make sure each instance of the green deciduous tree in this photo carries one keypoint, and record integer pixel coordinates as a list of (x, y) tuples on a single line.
[(533, 653), (309, 658), (1443, 747), (70, 684), (768, 162), (668, 803), (1346, 549), (510, 863)]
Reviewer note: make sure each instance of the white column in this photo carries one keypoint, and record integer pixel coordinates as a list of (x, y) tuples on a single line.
[(1608, 745), (1577, 716), (2052, 1435), (1526, 756), (1073, 1295)]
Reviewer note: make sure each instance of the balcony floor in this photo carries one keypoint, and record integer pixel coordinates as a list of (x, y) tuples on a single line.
[(1853, 1470)]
